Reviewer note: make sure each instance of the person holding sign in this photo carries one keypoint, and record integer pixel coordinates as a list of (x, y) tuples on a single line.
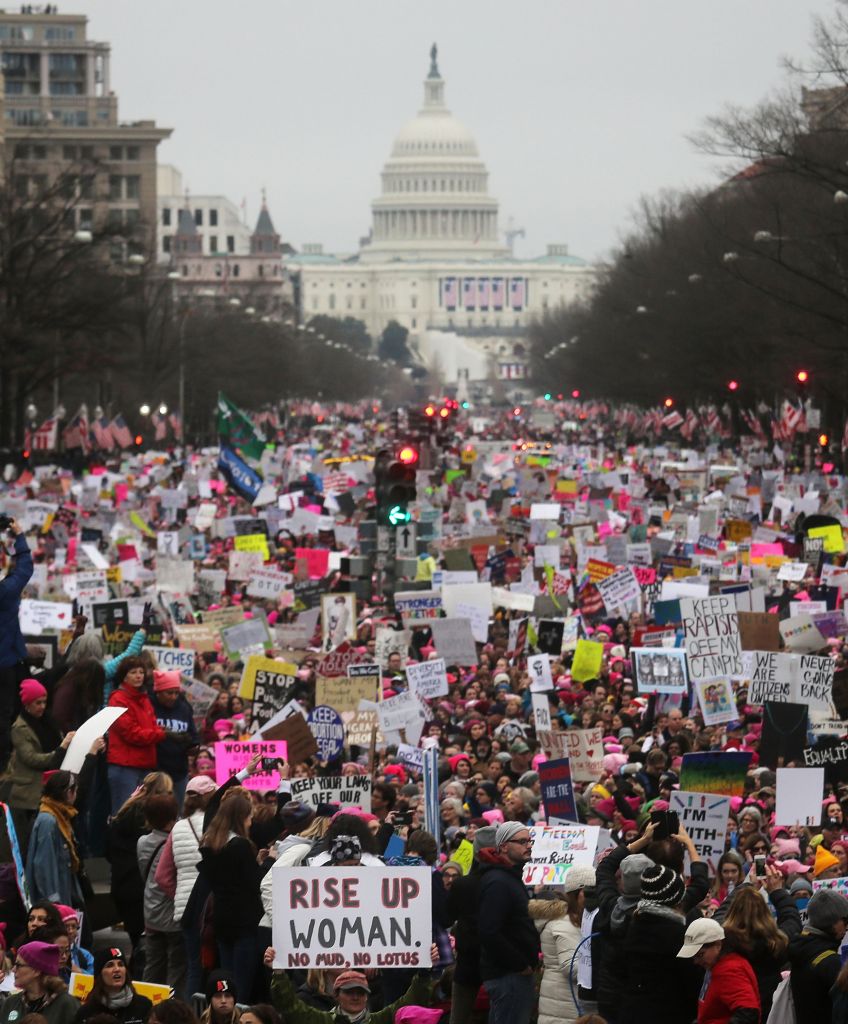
[(12, 647), (37, 746), (351, 991)]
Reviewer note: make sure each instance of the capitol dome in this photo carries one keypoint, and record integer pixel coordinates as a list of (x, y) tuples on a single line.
[(434, 202)]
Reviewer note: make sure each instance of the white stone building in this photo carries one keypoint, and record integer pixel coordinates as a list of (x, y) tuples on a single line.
[(435, 262), (218, 220)]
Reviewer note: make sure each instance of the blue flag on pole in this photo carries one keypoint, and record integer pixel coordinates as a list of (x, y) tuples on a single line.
[(238, 474)]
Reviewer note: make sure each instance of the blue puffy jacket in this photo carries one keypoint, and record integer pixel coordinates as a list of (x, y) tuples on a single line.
[(12, 646)]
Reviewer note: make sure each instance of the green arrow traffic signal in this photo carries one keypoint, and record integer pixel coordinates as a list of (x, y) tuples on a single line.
[(398, 514)]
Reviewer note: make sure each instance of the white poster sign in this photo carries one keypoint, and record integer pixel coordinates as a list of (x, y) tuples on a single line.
[(428, 679), (91, 728), (704, 816), (799, 796), (556, 849)]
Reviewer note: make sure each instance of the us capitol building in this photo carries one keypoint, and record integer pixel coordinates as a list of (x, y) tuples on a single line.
[(434, 261)]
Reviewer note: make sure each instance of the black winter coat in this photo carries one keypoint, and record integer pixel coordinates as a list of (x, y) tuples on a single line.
[(815, 963), (233, 877), (657, 986), (463, 908), (136, 1012), (509, 940)]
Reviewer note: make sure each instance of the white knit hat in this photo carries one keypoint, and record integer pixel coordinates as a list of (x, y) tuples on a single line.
[(578, 877)]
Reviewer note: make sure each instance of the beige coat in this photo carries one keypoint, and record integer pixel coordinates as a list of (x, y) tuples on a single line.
[(559, 938)]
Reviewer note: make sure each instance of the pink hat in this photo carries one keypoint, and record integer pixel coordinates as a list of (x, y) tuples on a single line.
[(417, 1015), (31, 690), (793, 867), (201, 784), (67, 913), (494, 817), (787, 847), (41, 956), (166, 680)]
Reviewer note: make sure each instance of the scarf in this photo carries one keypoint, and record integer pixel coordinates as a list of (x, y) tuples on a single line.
[(63, 813), (122, 999), (46, 731), (649, 907)]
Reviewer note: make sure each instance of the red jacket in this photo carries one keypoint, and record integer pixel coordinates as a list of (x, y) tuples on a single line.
[(733, 986), (133, 736)]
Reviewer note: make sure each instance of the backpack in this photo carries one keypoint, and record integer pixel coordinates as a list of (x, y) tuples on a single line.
[(783, 1005)]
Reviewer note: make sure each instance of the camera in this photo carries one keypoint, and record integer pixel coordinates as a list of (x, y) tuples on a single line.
[(5, 521), (269, 764), (403, 818)]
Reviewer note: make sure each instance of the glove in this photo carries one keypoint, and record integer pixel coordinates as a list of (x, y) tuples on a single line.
[(147, 616)]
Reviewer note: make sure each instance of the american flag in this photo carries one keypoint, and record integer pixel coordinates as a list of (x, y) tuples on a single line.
[(483, 292), (176, 421), (44, 438), (561, 583), (469, 293), (75, 435), (449, 292), (517, 292), (690, 425), (120, 431), (160, 425), (792, 418), (102, 434), (672, 420), (497, 293)]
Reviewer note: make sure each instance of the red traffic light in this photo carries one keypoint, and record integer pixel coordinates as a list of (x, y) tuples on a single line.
[(575, 393), (802, 376), (430, 410), (139, 440), (733, 385), (408, 455), (516, 411), (668, 403)]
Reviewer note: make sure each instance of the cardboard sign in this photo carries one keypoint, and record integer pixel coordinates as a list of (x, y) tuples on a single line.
[(203, 638), (759, 631), (351, 917), (300, 742), (704, 816), (344, 693), (428, 679), (344, 790), (556, 848), (586, 753), (557, 789), (232, 755), (711, 637)]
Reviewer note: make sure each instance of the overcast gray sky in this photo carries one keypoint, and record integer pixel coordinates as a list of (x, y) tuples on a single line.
[(578, 106)]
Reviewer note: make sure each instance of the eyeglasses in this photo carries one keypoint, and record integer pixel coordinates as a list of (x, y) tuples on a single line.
[(522, 842), (18, 964), (760, 849)]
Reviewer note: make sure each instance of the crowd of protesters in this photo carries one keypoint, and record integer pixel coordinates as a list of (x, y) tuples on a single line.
[(648, 933)]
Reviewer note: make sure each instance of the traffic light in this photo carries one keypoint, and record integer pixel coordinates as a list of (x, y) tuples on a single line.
[(394, 484), (733, 385), (824, 441)]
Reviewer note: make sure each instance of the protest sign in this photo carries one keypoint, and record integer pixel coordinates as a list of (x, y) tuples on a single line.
[(344, 790), (428, 679), (784, 734), (801, 634), (715, 771), (265, 671), (715, 697), (361, 727), (418, 607), (541, 712), (711, 637), (402, 712), (556, 848), (799, 796), (40, 616), (92, 586), (390, 641), (351, 917), (300, 742), (337, 662), (832, 755), (478, 617), (759, 631), (586, 753), (326, 725), (80, 986), (267, 583), (549, 636), (557, 789), (345, 692), (338, 619), (539, 670), (659, 669), (797, 678), (91, 728), (170, 658), (412, 757), (250, 634), (110, 613), (620, 591), (201, 637), (200, 696), (232, 755), (463, 855), (704, 816), (454, 641), (586, 665)]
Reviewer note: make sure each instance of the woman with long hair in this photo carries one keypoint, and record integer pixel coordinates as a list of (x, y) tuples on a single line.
[(37, 746), (762, 939), (124, 831), (558, 919), (53, 863), (230, 865), (41, 990), (42, 913), (78, 694), (113, 992)]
